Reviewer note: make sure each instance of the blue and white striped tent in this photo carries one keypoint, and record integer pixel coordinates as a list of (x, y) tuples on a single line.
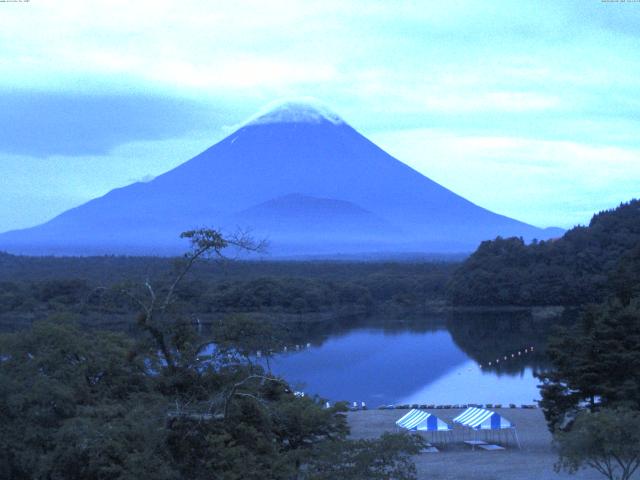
[(419, 420), (481, 419)]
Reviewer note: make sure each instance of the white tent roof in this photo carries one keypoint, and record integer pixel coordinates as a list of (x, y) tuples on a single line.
[(421, 421), (481, 419)]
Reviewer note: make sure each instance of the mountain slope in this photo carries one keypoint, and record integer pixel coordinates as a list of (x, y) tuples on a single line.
[(292, 148)]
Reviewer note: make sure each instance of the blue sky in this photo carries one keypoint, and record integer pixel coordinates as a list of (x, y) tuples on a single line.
[(530, 108)]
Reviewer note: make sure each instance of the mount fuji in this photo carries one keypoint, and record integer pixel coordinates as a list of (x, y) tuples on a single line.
[(297, 175)]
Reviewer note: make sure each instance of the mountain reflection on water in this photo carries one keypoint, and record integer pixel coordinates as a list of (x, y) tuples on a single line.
[(426, 361)]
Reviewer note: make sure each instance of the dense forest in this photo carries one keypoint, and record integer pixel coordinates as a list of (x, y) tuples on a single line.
[(96, 289), (78, 403), (584, 266)]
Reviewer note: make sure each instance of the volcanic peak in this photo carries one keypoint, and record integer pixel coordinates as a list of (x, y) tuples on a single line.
[(301, 110)]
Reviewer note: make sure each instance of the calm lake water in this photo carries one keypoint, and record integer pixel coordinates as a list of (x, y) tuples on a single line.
[(383, 367)]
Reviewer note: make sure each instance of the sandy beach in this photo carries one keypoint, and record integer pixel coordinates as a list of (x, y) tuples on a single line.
[(456, 460)]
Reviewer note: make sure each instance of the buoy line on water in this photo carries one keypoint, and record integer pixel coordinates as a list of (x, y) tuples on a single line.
[(508, 357)]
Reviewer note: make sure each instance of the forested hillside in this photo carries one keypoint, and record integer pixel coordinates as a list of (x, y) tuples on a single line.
[(585, 265), (93, 288)]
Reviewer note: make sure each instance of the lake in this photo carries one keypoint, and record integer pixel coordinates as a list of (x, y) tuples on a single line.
[(382, 366)]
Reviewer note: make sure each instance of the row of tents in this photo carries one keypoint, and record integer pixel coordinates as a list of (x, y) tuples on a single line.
[(473, 420)]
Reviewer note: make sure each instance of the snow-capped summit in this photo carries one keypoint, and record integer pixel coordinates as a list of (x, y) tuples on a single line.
[(298, 110)]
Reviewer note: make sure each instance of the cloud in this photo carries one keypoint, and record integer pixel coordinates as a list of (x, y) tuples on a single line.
[(491, 101), (546, 182), (35, 189), (507, 91), (66, 123), (143, 179)]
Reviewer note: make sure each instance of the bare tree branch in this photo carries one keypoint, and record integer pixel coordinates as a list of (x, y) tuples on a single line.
[(204, 242)]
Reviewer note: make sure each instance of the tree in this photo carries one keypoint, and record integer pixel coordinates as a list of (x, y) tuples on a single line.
[(608, 440), (245, 336), (80, 404), (596, 364), (386, 458), (74, 406), (625, 280), (175, 339), (584, 266)]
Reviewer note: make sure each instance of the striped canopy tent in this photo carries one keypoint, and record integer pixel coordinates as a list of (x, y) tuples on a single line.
[(481, 419), (419, 420)]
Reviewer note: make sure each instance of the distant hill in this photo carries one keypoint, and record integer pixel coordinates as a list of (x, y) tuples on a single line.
[(586, 265), (294, 221), (296, 174), (309, 216)]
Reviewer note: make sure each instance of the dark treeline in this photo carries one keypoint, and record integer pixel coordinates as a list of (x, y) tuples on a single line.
[(585, 266), (113, 269), (92, 287)]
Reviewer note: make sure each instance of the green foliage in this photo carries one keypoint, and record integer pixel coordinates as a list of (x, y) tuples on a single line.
[(608, 440), (73, 406), (299, 423), (595, 364), (245, 336), (78, 404), (123, 440), (35, 288), (584, 266), (625, 279), (83, 405), (386, 458)]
